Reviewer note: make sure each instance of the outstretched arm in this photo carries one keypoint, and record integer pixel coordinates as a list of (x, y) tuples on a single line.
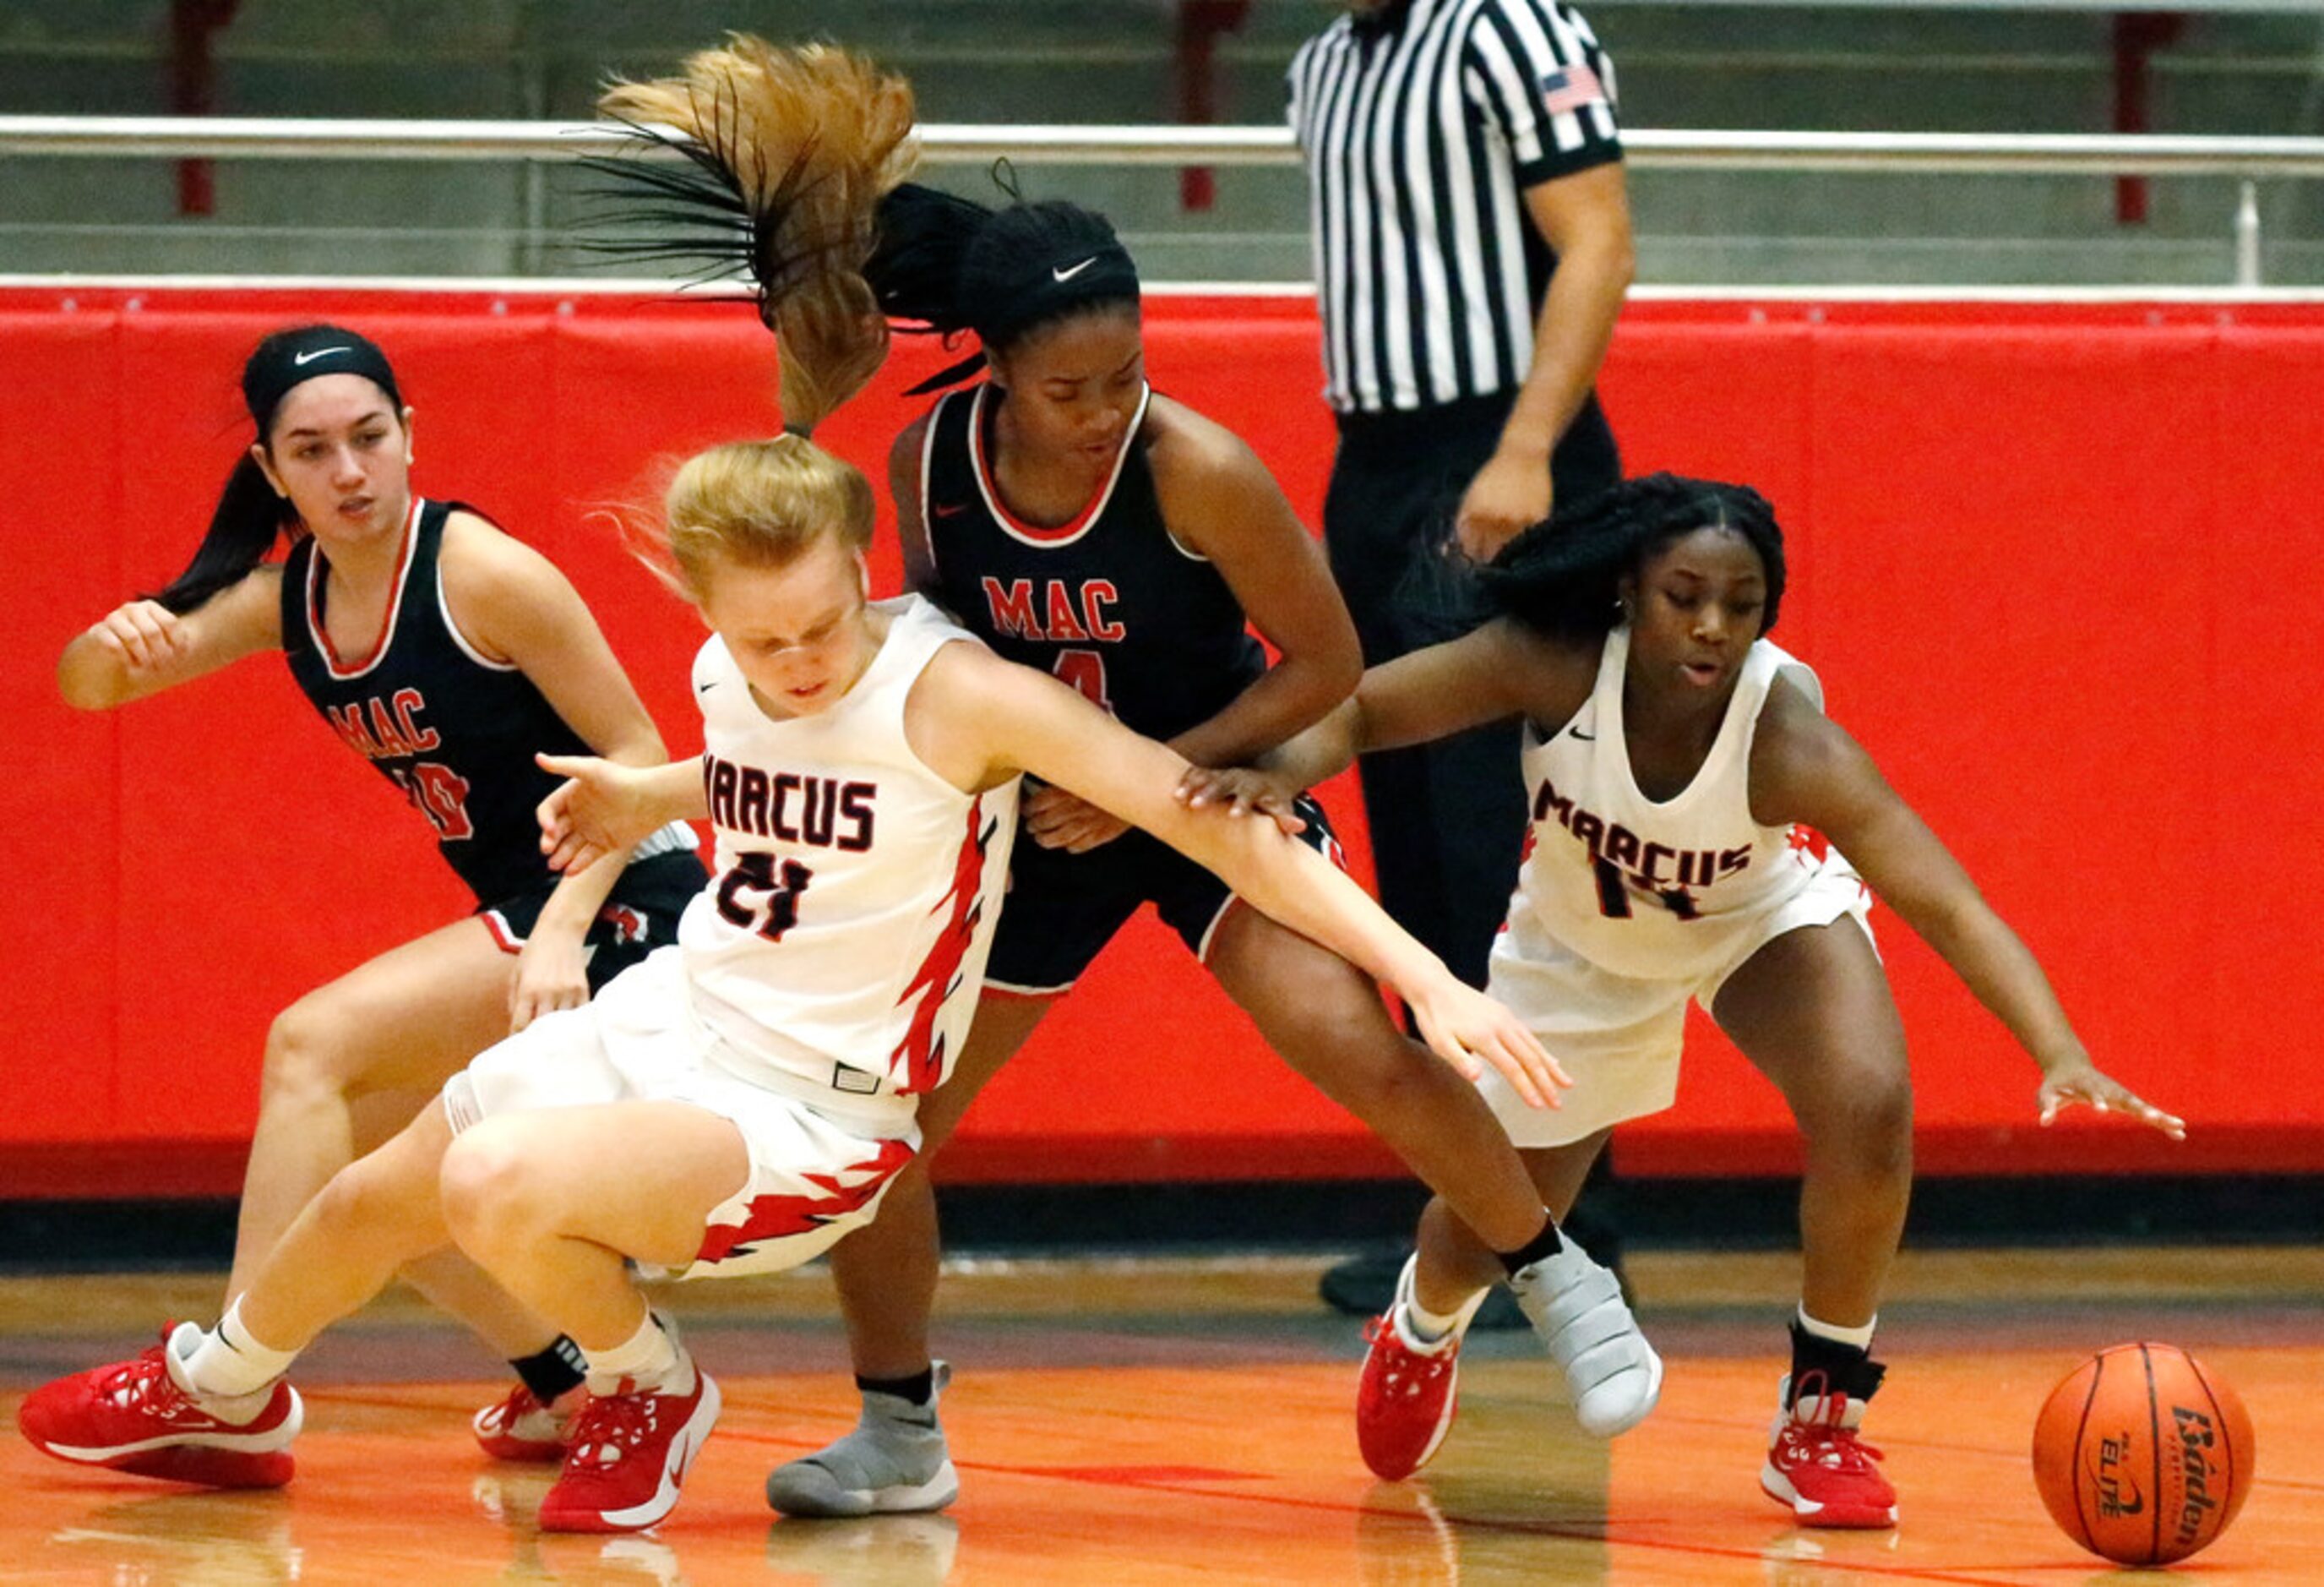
[(1499, 670), (1804, 767), (977, 719)]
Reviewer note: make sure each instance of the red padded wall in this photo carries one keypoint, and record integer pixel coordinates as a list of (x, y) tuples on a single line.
[(2050, 560), (59, 440)]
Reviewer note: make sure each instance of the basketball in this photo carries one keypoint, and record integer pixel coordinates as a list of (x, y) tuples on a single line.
[(2143, 1456)]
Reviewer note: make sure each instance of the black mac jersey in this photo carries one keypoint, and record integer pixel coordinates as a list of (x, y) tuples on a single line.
[(1108, 602), (455, 731)]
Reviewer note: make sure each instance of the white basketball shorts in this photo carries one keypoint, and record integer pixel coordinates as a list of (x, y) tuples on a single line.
[(1619, 1036), (814, 1175)]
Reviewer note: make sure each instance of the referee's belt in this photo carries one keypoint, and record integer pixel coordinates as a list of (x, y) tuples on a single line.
[(1463, 416)]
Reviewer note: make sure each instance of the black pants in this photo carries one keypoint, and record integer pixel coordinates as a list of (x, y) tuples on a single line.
[(1446, 818)]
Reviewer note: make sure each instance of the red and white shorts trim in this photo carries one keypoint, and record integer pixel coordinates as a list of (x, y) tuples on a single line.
[(814, 1173)]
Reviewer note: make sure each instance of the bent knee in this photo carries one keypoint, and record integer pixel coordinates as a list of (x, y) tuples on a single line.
[(307, 1052), (365, 1194), (1864, 1121), (489, 1182)]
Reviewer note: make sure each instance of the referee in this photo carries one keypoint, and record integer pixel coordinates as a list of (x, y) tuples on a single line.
[(1471, 236), (1471, 239)]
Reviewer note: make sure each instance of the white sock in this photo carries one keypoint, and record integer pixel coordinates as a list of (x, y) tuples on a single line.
[(1860, 1337), (648, 1359), (229, 1369), (1422, 1326)]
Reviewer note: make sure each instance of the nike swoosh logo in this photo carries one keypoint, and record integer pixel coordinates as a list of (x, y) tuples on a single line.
[(703, 689), (1587, 738), (303, 359), (954, 511), (1064, 275)]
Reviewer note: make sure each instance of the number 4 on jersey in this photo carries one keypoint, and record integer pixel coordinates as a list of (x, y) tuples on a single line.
[(1086, 670), (776, 909)]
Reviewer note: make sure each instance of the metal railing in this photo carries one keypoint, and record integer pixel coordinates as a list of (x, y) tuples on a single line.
[(2248, 160)]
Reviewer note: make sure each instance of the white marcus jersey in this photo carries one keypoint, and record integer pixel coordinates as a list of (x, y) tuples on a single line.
[(842, 940), (1660, 891)]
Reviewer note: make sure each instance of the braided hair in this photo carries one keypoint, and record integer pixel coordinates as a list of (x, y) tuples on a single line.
[(949, 265), (1563, 576)]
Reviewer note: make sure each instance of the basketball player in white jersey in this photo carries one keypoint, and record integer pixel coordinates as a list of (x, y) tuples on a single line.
[(1673, 759), (742, 1100), (1083, 526)]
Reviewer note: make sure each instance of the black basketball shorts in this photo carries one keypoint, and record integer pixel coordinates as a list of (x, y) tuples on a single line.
[(1062, 908)]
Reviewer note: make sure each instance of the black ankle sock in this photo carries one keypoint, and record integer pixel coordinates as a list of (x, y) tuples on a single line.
[(918, 1388), (1545, 1244), (1844, 1368), (552, 1372)]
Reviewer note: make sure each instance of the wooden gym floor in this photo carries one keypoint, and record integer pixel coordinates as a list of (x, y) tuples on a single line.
[(1190, 1422)]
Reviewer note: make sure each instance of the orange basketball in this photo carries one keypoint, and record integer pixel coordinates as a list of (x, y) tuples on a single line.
[(2141, 1455)]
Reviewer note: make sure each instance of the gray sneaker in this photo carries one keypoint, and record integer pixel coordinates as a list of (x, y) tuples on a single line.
[(894, 1462), (1576, 1307)]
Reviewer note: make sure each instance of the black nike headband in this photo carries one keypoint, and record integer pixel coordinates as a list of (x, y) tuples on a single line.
[(290, 357), (1088, 273)]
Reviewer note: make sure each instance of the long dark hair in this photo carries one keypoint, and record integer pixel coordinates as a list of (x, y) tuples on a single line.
[(249, 517), (949, 265), (1563, 576)]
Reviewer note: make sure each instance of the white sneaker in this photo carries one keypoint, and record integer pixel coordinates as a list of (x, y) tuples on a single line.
[(1576, 1307), (894, 1462)]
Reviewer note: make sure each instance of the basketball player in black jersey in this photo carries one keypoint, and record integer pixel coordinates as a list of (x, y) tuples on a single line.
[(448, 655), (1084, 525)]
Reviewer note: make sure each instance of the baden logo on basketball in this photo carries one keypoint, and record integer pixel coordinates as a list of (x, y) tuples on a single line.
[(2141, 1455), (2197, 1468)]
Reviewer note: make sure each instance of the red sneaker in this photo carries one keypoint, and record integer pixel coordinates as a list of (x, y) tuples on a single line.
[(136, 1417), (1405, 1404), (1409, 1391), (1818, 1467), (521, 1429), (629, 1453)]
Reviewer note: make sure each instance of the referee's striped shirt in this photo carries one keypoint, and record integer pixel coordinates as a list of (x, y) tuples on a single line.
[(1420, 136)]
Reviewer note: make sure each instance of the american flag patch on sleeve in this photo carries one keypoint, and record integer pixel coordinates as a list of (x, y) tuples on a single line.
[(1572, 87)]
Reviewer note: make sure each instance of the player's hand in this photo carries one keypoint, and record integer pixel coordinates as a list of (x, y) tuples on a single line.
[(600, 808), (2081, 1083), (1511, 492), (1061, 820), (1468, 1031), (552, 972), (1243, 791), (141, 635)]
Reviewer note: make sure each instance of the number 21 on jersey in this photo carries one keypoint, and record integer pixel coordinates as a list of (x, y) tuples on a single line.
[(757, 893)]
